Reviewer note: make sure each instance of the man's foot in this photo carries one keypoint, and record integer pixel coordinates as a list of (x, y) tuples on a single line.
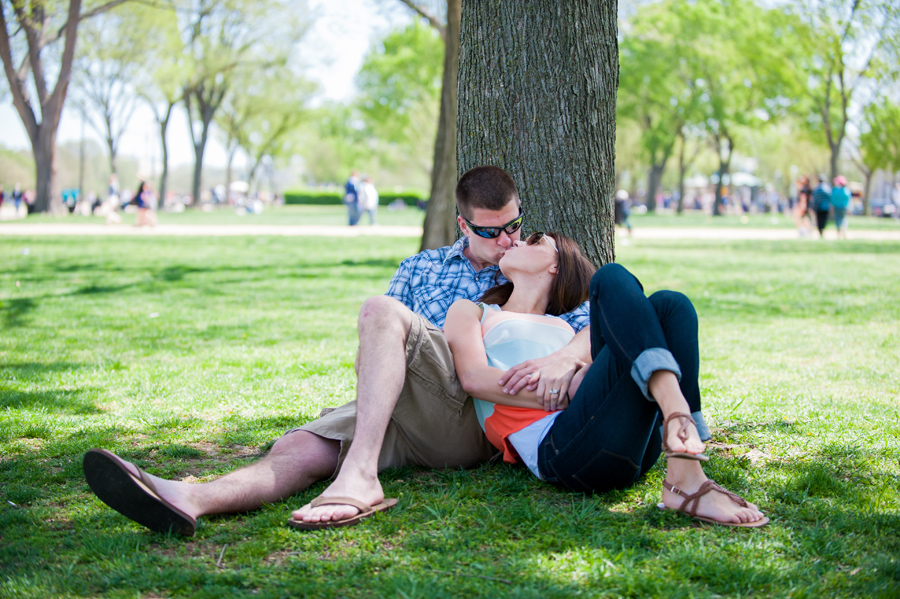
[(364, 511), (364, 489), (135, 494), (703, 499)]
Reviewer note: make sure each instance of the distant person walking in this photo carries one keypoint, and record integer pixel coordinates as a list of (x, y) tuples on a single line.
[(142, 199), (368, 200), (822, 203), (802, 207), (351, 198), (840, 200), (17, 197), (623, 210)]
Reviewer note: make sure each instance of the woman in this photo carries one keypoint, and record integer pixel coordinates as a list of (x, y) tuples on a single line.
[(840, 200), (802, 207), (608, 436)]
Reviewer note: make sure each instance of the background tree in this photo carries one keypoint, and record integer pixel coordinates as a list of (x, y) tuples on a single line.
[(439, 228), (879, 143), (399, 93), (537, 97), (38, 25), (848, 45), (224, 36), (109, 54), (159, 74)]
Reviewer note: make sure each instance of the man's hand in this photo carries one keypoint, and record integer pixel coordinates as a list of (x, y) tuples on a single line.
[(549, 377)]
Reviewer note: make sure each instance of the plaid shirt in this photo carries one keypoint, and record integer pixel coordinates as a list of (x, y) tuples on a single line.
[(429, 282)]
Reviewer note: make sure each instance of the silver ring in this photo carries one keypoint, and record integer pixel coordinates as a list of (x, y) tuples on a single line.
[(554, 391)]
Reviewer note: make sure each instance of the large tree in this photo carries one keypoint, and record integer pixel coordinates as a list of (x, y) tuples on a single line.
[(537, 97), (24, 49)]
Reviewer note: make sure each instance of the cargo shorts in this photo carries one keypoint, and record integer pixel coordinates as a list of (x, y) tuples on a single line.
[(434, 424)]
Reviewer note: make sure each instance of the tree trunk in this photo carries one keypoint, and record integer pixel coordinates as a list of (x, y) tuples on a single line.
[(47, 194), (654, 181), (164, 176), (440, 219), (537, 97)]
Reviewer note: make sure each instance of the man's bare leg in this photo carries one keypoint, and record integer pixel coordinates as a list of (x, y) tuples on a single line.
[(296, 461), (384, 325)]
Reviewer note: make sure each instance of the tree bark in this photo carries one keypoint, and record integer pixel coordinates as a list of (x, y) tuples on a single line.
[(537, 97), (440, 219)]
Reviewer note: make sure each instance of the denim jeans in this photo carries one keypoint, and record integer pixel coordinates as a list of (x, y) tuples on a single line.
[(610, 434)]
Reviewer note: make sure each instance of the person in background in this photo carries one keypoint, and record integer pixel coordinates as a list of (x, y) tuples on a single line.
[(351, 198), (840, 200), (822, 204), (17, 197), (368, 200), (801, 208), (142, 199), (623, 210)]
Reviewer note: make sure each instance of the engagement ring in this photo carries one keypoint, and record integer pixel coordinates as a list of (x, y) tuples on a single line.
[(554, 391)]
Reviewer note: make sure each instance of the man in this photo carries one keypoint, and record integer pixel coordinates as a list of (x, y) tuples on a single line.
[(410, 408), (351, 198)]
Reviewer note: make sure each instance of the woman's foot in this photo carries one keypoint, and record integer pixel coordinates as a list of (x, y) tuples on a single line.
[(681, 438), (687, 489)]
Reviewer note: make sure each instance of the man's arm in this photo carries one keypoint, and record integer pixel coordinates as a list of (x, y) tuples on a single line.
[(552, 372)]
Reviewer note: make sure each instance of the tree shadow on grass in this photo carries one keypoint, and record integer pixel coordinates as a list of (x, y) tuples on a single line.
[(15, 311), (61, 401)]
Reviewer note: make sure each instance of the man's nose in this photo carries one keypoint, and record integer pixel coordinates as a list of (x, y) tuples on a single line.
[(505, 240)]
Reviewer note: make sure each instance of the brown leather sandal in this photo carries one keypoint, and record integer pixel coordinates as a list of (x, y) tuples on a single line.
[(706, 487), (682, 434)]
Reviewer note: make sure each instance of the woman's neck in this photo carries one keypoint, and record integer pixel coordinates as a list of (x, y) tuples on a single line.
[(529, 297)]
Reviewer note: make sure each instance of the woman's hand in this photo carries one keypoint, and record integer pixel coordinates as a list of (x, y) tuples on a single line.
[(544, 376)]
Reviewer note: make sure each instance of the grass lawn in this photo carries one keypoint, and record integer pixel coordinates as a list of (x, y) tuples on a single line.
[(190, 355)]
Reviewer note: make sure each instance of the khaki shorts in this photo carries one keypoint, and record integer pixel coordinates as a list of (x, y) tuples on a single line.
[(434, 423)]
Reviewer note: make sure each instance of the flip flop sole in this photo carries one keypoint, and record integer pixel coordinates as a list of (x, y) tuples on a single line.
[(352, 521), (111, 481)]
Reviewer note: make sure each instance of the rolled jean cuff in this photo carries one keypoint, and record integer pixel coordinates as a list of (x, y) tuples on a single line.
[(651, 360)]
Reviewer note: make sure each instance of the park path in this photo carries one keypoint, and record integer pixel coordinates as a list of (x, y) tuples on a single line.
[(724, 233)]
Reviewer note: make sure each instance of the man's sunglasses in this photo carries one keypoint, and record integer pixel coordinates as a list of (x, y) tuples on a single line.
[(536, 237), (494, 232)]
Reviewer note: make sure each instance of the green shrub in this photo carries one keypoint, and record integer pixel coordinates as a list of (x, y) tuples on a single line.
[(333, 197)]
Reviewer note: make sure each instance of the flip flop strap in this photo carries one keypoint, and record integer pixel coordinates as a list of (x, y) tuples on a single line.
[(705, 488), (682, 431), (362, 507)]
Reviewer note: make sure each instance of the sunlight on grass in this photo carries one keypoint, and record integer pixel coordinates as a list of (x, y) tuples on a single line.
[(190, 355)]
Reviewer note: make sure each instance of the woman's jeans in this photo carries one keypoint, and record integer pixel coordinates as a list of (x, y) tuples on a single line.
[(610, 434)]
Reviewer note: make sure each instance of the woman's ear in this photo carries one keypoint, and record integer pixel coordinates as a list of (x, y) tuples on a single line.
[(554, 269)]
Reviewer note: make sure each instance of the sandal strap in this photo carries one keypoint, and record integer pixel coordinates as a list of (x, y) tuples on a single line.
[(682, 431), (705, 488)]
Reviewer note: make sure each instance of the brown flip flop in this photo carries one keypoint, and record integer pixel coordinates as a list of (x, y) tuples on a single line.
[(707, 487), (134, 497), (365, 510)]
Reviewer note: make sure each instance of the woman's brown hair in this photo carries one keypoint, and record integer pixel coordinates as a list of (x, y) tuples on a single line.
[(570, 288)]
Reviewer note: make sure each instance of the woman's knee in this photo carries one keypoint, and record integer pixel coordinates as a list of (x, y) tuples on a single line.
[(610, 276), (674, 303)]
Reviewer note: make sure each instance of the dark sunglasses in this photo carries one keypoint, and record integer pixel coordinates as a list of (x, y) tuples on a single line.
[(494, 232), (536, 237)]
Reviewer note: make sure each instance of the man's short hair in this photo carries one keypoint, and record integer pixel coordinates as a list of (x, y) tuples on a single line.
[(485, 187)]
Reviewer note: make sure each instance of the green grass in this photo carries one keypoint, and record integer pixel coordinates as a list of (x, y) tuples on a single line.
[(189, 355)]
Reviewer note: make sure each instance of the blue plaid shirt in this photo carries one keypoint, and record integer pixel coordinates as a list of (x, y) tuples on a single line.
[(429, 282)]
